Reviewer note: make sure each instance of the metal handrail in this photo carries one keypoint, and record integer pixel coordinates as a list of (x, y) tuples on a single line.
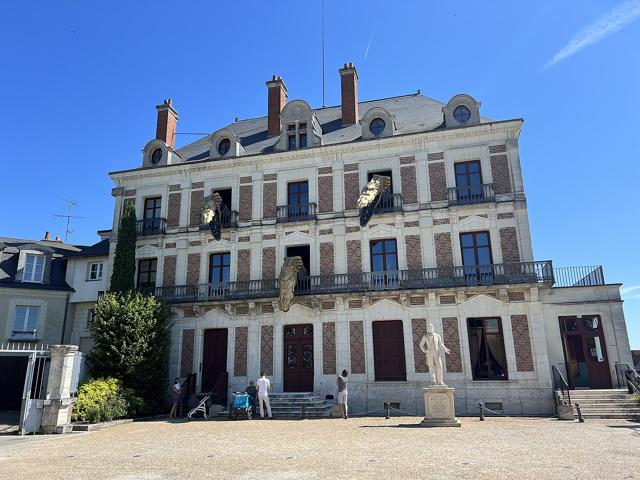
[(471, 194), (151, 226), (391, 202), (296, 213), (588, 276), (630, 376), (560, 383)]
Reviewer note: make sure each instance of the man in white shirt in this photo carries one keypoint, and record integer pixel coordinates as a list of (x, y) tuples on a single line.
[(263, 394)]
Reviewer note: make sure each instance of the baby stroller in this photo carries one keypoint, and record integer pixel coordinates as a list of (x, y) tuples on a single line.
[(241, 405)]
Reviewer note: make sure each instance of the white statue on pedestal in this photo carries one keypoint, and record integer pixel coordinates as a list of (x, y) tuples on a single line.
[(432, 345)]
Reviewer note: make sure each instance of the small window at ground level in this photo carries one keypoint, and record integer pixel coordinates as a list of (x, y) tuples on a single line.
[(486, 349)]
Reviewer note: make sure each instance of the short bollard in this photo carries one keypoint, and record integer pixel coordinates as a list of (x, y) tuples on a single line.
[(580, 418), (387, 407), (481, 405)]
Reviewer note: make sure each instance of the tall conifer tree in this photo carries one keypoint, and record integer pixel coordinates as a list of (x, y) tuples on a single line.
[(124, 263)]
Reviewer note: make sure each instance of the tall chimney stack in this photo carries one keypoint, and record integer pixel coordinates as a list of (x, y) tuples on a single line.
[(277, 101), (167, 121), (349, 90)]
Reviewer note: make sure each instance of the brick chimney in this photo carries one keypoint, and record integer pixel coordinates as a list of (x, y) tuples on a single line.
[(277, 101), (167, 121), (47, 236), (349, 89)]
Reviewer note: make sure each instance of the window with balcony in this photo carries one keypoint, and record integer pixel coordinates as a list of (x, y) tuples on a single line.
[(33, 268), (476, 258), (304, 252), (147, 269), (228, 217), (151, 222), (469, 188), (25, 323), (384, 263), (219, 272), (389, 202), (486, 349), (298, 207), (95, 271)]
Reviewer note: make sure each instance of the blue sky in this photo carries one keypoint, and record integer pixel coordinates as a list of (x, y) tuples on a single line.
[(80, 81)]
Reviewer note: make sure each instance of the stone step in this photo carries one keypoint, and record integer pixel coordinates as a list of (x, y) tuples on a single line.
[(296, 400), (612, 416), (607, 403)]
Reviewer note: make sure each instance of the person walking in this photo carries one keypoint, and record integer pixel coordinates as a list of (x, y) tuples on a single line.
[(264, 385), (176, 398), (342, 382)]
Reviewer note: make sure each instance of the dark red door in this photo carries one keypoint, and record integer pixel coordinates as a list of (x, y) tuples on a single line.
[(214, 357), (298, 358), (388, 351), (585, 352)]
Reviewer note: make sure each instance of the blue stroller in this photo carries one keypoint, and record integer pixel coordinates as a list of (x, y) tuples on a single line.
[(241, 405)]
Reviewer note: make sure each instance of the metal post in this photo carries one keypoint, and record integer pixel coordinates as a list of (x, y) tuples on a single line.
[(387, 407), (580, 418), (481, 405), (304, 408)]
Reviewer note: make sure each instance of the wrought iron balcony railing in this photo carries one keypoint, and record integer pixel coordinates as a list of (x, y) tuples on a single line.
[(479, 275), (228, 219), (296, 213), (151, 226), (470, 194), (390, 203), (579, 276)]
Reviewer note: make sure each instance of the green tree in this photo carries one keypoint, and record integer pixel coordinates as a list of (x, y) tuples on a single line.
[(124, 263), (131, 333)]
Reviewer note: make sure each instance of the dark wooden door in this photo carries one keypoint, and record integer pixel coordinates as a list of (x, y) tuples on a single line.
[(214, 357), (298, 358), (13, 370), (585, 352), (388, 351)]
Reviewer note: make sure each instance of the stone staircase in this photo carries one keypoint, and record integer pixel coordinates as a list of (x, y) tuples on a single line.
[(290, 405), (614, 403)]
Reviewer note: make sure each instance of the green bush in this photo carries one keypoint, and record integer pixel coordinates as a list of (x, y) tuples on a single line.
[(100, 400)]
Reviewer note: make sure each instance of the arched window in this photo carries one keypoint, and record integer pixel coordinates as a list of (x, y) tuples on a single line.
[(462, 114), (224, 146), (156, 156), (377, 126)]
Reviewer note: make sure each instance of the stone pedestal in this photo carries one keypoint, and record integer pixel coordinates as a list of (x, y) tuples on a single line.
[(56, 411), (439, 407)]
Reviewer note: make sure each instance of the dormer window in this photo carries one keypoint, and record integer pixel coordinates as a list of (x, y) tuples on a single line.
[(462, 114), (297, 135), (377, 126), (224, 146), (33, 268), (156, 156)]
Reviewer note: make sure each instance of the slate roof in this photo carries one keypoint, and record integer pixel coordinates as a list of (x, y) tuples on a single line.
[(100, 249), (413, 113)]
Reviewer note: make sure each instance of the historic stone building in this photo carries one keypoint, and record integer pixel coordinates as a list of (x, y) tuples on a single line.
[(448, 244)]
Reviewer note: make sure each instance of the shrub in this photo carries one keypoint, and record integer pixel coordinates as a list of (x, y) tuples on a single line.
[(100, 400)]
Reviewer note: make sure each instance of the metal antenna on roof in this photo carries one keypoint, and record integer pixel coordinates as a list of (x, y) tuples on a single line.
[(70, 204), (323, 103)]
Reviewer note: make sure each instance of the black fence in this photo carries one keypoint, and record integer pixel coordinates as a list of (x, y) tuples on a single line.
[(296, 213), (151, 226), (470, 194), (579, 276)]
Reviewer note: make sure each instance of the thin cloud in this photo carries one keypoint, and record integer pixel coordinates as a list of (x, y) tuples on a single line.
[(366, 52), (630, 293), (612, 21)]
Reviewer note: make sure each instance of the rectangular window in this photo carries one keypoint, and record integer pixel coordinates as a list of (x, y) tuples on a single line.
[(302, 126), (388, 351), (25, 322), (476, 257), (486, 349), (95, 271), (292, 142), (33, 268), (147, 268), (151, 215), (298, 201), (384, 173), (384, 263), (90, 316), (219, 267), (291, 127), (302, 140), (469, 181)]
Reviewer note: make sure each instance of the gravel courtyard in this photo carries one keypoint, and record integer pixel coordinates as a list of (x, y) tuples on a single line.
[(333, 448)]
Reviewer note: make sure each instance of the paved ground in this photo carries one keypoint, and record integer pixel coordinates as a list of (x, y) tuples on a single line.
[(334, 448)]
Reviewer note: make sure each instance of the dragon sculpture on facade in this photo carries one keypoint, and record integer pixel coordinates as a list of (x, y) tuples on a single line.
[(287, 281), (370, 197), (211, 214)]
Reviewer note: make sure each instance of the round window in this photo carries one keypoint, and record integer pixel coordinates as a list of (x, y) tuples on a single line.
[(377, 126), (224, 146), (156, 156), (462, 114)]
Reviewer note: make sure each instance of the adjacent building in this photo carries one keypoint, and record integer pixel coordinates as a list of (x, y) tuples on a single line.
[(449, 244)]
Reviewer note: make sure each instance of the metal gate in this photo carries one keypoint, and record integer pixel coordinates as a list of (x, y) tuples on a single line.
[(35, 389)]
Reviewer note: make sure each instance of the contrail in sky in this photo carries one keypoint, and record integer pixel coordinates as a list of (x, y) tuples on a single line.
[(612, 21), (366, 52)]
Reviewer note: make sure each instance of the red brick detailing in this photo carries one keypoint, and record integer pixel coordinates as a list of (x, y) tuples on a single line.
[(175, 188), (407, 160), (515, 296), (435, 156), (277, 99), (502, 216), (416, 300), (354, 256), (351, 167), (325, 194), (500, 174), (244, 265), (242, 310), (173, 211), (267, 308), (522, 343), (509, 245), (328, 348), (195, 211), (170, 245), (325, 170), (414, 252), (352, 229), (186, 353), (240, 351), (269, 262), (328, 304), (418, 329), (349, 94), (355, 303), (271, 236), (266, 349), (356, 345), (451, 338), (169, 271), (351, 190), (441, 221), (166, 124), (246, 180), (497, 149), (325, 231), (411, 224), (444, 250), (244, 239), (437, 182), (246, 203), (447, 299), (408, 184), (193, 269), (269, 199), (327, 263), (195, 243)]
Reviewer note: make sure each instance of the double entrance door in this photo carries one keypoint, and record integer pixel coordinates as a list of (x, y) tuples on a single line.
[(585, 352), (298, 358)]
